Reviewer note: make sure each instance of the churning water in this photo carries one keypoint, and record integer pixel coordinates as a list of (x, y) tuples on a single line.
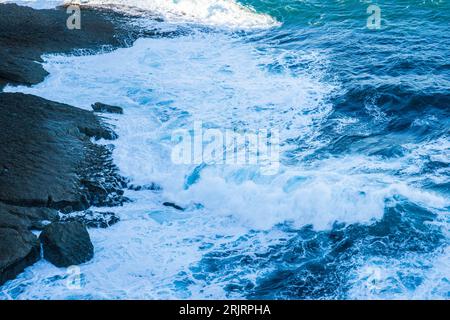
[(359, 207)]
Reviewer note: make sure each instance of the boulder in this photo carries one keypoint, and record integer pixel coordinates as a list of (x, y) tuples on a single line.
[(101, 107), (66, 244), (19, 248)]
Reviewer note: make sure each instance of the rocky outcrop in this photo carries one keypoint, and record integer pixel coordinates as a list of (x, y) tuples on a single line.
[(19, 247), (26, 34), (30, 218), (48, 163), (66, 244), (48, 159), (105, 108)]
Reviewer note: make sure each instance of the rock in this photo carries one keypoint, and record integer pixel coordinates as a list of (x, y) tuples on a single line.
[(19, 248), (48, 159), (24, 35), (102, 184), (30, 218), (45, 149), (92, 219), (101, 107), (173, 205), (66, 244), (152, 186)]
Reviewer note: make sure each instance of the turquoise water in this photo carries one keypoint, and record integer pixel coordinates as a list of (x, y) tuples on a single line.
[(359, 208)]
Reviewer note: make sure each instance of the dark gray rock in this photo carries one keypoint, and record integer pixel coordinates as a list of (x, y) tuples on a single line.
[(48, 162), (66, 244), (173, 205), (101, 107), (19, 248), (26, 34), (152, 187), (48, 159), (31, 218), (92, 219)]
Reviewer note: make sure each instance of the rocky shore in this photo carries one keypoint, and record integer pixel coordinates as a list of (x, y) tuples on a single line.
[(49, 166)]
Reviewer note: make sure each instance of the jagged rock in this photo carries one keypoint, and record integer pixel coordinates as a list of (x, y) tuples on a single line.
[(31, 218), (92, 219), (100, 179), (101, 107), (49, 160), (66, 244), (19, 248), (26, 34), (45, 150), (152, 186)]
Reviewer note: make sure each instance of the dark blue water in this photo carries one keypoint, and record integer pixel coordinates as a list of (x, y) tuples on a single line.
[(395, 84)]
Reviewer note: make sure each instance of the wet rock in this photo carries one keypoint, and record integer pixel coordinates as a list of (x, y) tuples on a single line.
[(48, 159), (92, 219), (102, 185), (30, 218), (26, 34), (152, 186), (173, 205), (101, 107), (66, 244), (19, 248)]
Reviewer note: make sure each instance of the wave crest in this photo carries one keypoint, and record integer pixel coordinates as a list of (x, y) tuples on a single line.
[(223, 13)]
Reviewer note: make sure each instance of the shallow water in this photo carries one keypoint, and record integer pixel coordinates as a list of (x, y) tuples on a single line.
[(359, 208)]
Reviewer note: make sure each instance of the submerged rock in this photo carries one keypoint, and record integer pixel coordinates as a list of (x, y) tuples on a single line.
[(101, 107), (152, 187), (66, 244), (92, 219), (173, 205)]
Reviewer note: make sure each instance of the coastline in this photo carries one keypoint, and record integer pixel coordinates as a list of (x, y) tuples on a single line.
[(49, 162), (358, 209)]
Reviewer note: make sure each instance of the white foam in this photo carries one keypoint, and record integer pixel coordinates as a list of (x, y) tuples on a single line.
[(419, 276), (223, 13), (36, 4), (227, 13), (166, 84)]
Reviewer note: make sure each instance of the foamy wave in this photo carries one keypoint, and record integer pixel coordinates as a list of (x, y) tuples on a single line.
[(226, 13)]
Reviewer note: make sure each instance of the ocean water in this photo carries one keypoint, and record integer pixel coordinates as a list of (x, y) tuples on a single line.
[(359, 208)]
